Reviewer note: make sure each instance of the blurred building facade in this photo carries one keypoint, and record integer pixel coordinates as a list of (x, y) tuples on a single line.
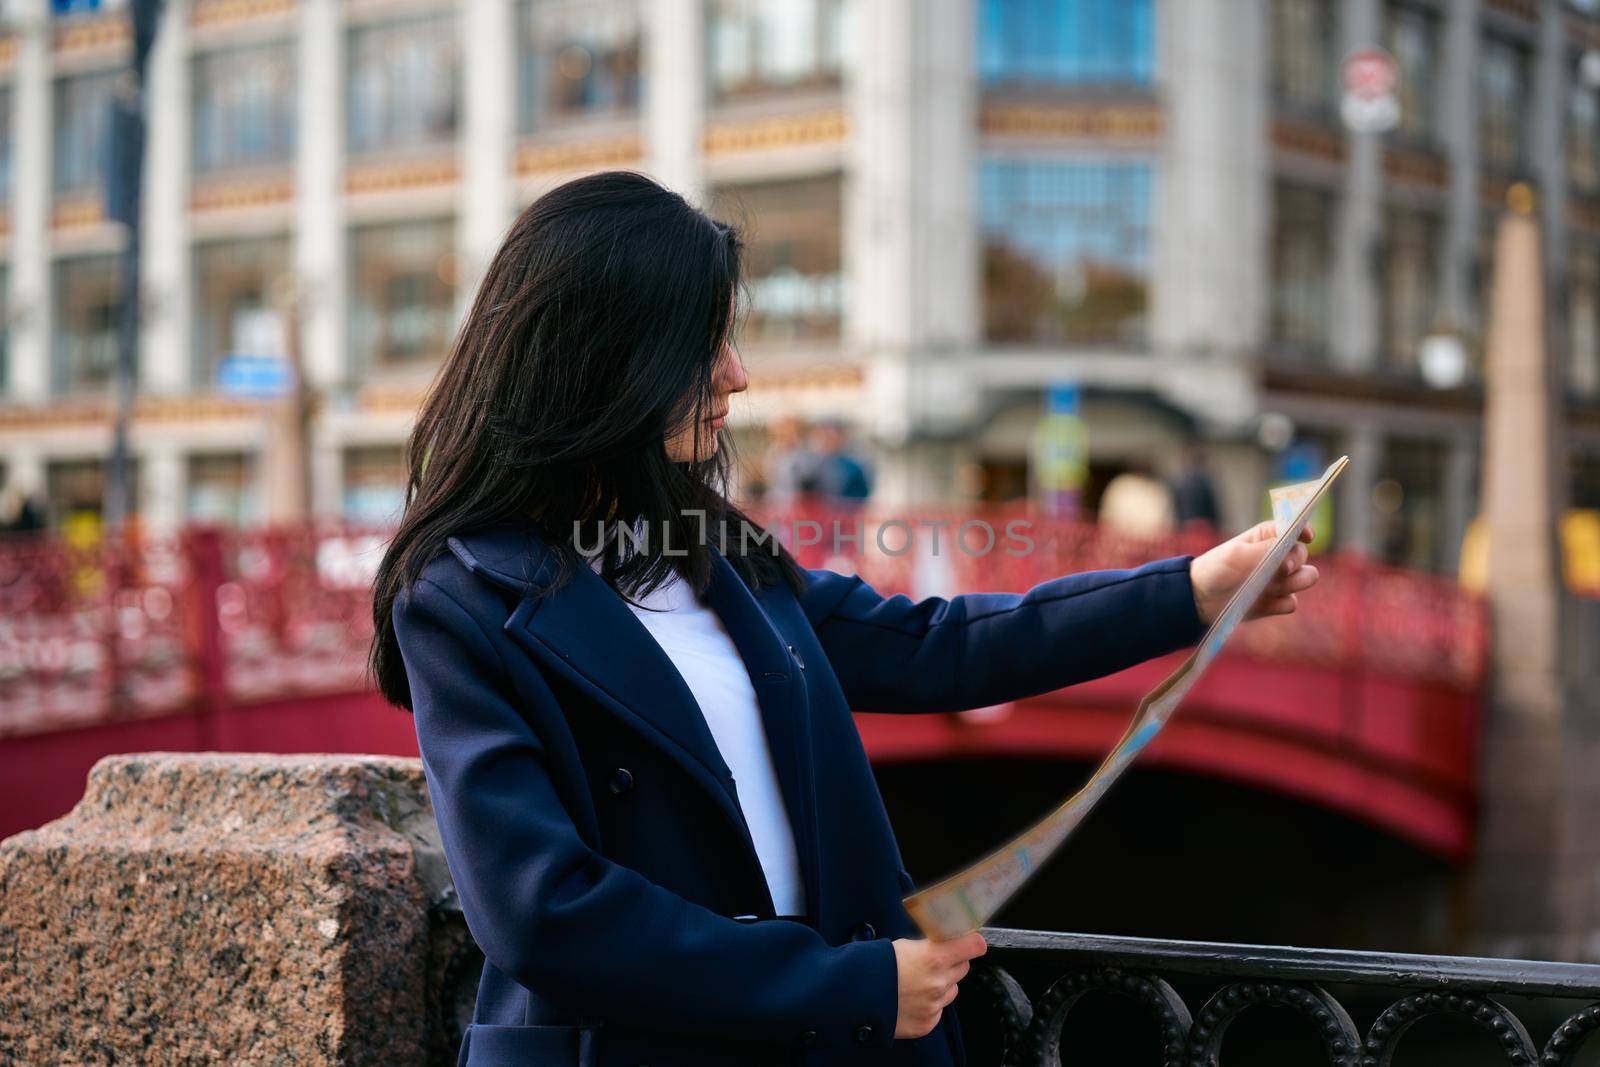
[(954, 208)]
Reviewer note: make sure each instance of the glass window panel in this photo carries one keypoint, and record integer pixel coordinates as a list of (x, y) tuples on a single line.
[(222, 488), (1413, 38), (1583, 132), (402, 293), (1408, 502), (1410, 271), (6, 126), (5, 331), (1304, 57), (793, 266), (83, 130), (235, 313), (374, 484), (1077, 42), (1066, 251), (85, 335), (577, 57), (756, 46), (244, 107), (75, 491), (403, 85), (1583, 321), (1302, 262), (1503, 98)]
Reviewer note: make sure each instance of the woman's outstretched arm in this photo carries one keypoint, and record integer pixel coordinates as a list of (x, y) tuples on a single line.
[(565, 921), (899, 655)]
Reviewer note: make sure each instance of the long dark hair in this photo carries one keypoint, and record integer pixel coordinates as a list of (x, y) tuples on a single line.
[(593, 337)]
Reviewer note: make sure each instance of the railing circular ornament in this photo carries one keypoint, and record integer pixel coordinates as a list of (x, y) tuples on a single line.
[(1014, 1011), (1333, 1023), (1155, 996), (1562, 1048), (1390, 1027)]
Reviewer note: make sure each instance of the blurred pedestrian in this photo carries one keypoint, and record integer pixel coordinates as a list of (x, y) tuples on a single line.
[(1137, 504), (838, 476), (1193, 498), (21, 514)]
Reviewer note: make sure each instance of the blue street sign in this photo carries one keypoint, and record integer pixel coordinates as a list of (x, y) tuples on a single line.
[(254, 377)]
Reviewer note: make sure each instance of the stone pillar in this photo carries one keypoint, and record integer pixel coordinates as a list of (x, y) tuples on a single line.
[(489, 40), (1518, 884), (1213, 187), (1460, 472), (674, 104), (223, 908), (1551, 84), (911, 245), (1458, 119), (319, 235), (1354, 335), (164, 356), (28, 302), (163, 486), (1364, 445)]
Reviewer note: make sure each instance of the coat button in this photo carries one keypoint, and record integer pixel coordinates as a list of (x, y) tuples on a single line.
[(799, 661), (808, 1038), (863, 932), (864, 1033), (621, 780)]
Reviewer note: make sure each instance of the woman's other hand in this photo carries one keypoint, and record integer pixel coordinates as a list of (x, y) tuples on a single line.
[(1216, 574), (929, 971)]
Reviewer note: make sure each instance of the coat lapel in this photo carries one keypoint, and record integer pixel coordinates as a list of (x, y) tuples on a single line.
[(772, 671), (585, 633)]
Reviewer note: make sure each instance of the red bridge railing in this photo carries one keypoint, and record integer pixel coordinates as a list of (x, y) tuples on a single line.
[(214, 617)]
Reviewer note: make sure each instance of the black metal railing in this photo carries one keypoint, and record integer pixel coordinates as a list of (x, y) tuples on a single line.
[(1395, 991), (1017, 1003)]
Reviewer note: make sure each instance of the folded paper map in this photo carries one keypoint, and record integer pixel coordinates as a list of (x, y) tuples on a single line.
[(966, 900)]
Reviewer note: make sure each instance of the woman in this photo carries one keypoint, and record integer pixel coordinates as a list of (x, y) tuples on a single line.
[(662, 826)]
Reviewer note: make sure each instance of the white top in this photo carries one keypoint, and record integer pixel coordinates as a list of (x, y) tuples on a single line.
[(693, 637)]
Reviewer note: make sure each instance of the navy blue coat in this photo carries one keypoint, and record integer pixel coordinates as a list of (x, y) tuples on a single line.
[(594, 832)]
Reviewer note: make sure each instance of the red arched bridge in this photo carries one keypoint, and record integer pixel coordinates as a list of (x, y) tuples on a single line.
[(1365, 702)]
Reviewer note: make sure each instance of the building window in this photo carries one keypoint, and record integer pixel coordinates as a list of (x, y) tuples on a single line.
[(1413, 38), (5, 331), (1302, 259), (244, 107), (85, 336), (1503, 103), (83, 130), (793, 267), (578, 58), (1583, 133), (1065, 251), (1583, 321), (403, 85), (1304, 60), (758, 46), (1410, 270), (1103, 42), (75, 492), (222, 488), (235, 311), (1409, 501), (6, 126), (402, 293), (374, 484)]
